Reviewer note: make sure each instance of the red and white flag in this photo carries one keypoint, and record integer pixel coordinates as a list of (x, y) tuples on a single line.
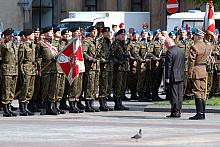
[(209, 20), (71, 60)]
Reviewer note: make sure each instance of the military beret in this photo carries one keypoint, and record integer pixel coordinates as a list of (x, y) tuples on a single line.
[(198, 32), (73, 29), (134, 33), (105, 29), (120, 32), (47, 29), (150, 32), (8, 31), (56, 29), (92, 28), (64, 31), (21, 33), (176, 28), (36, 30), (189, 32), (172, 33), (182, 29), (144, 31), (157, 31), (27, 32)]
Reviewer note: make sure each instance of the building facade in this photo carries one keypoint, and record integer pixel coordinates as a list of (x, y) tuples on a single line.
[(21, 14)]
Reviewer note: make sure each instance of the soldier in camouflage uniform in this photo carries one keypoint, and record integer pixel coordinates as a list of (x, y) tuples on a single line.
[(184, 43), (105, 69), (65, 41), (35, 104), (144, 68), (27, 70), (121, 66), (91, 51), (60, 77), (156, 64), (49, 74), (9, 67), (75, 88), (133, 48)]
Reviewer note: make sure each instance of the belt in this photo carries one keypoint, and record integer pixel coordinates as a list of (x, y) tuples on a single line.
[(200, 64)]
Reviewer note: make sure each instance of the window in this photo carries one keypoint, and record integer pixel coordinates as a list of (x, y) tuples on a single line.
[(91, 5), (137, 5)]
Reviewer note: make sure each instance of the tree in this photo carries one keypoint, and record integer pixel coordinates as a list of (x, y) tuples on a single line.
[(201, 2)]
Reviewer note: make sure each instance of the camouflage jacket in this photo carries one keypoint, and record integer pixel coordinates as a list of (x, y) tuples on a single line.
[(91, 52), (121, 56), (26, 58), (9, 56)]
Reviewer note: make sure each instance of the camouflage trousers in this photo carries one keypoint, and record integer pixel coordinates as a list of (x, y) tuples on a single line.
[(37, 92), (144, 81), (91, 83), (104, 85), (119, 83), (76, 88), (132, 80), (52, 87), (8, 88), (27, 88)]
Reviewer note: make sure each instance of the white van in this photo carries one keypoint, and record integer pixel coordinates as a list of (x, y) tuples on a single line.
[(190, 19)]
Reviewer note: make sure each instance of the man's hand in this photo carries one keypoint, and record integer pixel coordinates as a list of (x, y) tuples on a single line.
[(167, 81)]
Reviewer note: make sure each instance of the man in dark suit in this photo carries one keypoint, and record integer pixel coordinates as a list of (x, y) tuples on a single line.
[(174, 76)]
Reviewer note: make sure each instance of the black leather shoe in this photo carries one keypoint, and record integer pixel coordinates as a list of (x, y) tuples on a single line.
[(173, 115), (198, 116)]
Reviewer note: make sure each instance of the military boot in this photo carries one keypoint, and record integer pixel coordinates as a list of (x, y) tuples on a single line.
[(44, 108), (72, 108), (102, 106), (6, 112), (22, 109), (203, 105), (117, 104), (88, 106), (27, 110), (120, 103), (57, 106), (63, 105), (92, 106), (12, 113), (80, 105), (32, 105), (106, 105), (80, 110), (199, 108), (51, 109), (141, 96)]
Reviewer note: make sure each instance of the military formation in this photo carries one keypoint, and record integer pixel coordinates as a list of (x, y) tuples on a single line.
[(115, 63)]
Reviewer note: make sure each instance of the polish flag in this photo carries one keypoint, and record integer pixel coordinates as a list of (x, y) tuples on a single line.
[(210, 19)]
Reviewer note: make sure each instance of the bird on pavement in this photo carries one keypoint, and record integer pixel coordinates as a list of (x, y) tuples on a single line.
[(138, 136)]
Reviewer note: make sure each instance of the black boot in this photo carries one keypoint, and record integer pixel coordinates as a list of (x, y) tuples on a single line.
[(28, 111), (63, 105), (22, 109), (80, 105), (72, 108), (117, 104), (32, 105), (88, 106), (12, 113), (134, 95), (44, 108), (120, 103), (13, 108), (57, 105), (6, 112), (203, 104), (199, 108), (106, 105), (92, 106), (51, 109), (102, 106)]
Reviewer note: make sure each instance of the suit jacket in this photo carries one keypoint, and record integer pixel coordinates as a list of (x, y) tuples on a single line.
[(174, 64)]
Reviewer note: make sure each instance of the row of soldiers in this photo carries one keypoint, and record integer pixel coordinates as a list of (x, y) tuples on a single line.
[(132, 61)]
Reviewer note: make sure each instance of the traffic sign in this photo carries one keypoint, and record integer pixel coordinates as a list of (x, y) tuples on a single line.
[(172, 6)]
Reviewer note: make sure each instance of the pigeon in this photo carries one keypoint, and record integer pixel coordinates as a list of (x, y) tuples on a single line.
[(137, 136)]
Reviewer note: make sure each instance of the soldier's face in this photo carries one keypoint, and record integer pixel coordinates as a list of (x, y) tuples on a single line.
[(158, 35), (58, 34), (77, 33), (49, 34), (37, 34), (144, 35), (31, 37), (7, 37), (93, 33), (122, 37)]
